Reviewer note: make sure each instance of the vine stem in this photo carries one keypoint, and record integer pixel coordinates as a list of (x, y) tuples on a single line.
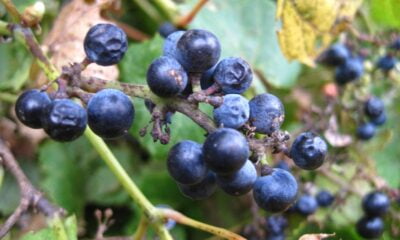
[(12, 10), (141, 229)]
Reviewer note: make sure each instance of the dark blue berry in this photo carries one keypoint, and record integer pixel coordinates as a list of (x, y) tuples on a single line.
[(167, 29), (282, 165), (105, 44), (335, 55), (308, 151), (350, 70), (375, 204), (201, 190), (233, 113), (374, 107), (386, 63), (207, 78), (186, 164), (266, 113), (110, 113), (198, 50), (275, 192), (225, 151), (166, 77), (370, 227), (366, 131), (233, 75), (325, 198), (380, 120), (276, 237), (170, 44), (306, 205), (276, 224), (30, 106), (64, 120), (240, 182), (395, 44)]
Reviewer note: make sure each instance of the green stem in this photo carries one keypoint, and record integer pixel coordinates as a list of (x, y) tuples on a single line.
[(8, 97), (146, 6), (4, 28), (1, 175), (141, 229), (168, 7)]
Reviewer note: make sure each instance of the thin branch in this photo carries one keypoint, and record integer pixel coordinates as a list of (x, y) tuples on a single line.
[(185, 20), (9, 5)]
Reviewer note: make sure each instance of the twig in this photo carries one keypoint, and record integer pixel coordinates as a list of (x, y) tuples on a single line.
[(141, 229), (12, 10), (185, 20)]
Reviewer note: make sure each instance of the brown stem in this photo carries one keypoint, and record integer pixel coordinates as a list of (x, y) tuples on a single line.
[(185, 20), (9, 5)]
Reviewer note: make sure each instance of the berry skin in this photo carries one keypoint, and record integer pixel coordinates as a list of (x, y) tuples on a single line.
[(395, 44), (225, 151), (30, 107), (169, 49), (233, 113), (233, 75), (240, 182), (325, 198), (374, 107), (282, 165), (64, 120), (308, 151), (186, 164), (336, 55), (266, 113), (201, 190), (105, 44), (370, 227), (207, 78), (198, 50), (110, 113), (167, 29), (275, 192), (386, 63), (276, 224), (380, 120), (166, 77), (375, 204), (306, 205), (349, 71), (366, 131)]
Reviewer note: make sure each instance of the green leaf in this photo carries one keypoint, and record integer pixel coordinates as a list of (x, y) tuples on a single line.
[(50, 233), (386, 12), (71, 227), (44, 234), (247, 29)]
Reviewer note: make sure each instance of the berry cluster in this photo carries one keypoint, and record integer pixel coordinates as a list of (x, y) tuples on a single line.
[(374, 109)]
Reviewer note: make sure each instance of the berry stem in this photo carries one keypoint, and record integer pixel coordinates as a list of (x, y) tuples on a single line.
[(12, 9), (185, 20), (141, 229)]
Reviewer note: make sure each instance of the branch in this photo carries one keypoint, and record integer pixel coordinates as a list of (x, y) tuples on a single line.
[(185, 20), (9, 5)]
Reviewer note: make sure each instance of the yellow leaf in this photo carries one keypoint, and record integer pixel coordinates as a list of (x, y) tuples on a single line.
[(308, 26)]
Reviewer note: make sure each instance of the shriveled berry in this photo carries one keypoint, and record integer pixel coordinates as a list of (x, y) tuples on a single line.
[(306, 205), (201, 190), (366, 131), (375, 204), (266, 113), (308, 151), (370, 227), (233, 113), (30, 106)]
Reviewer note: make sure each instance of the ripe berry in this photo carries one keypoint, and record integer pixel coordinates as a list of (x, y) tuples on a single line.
[(110, 113), (266, 113), (207, 78), (366, 131), (395, 44), (335, 55), (276, 224), (167, 29), (170, 44), (370, 227), (105, 44), (233, 75), (64, 120), (375, 204), (186, 164), (198, 50), (275, 192), (225, 151), (282, 165), (325, 198), (374, 107), (233, 113), (30, 107), (201, 190), (166, 77), (240, 182), (380, 120), (350, 70), (386, 63), (306, 205), (308, 151)]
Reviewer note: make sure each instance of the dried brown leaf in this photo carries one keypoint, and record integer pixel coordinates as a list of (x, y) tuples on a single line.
[(316, 236)]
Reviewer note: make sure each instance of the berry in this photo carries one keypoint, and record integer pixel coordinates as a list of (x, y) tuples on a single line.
[(336, 55), (64, 120), (167, 29), (276, 237), (201, 190), (325, 198), (266, 113), (30, 107), (225, 151), (105, 44), (350, 70), (275, 192), (198, 50), (375, 204), (366, 131), (207, 78), (240, 182), (380, 120), (166, 77), (306, 205), (169, 49), (395, 44), (110, 113), (276, 224), (282, 165), (233, 75), (233, 113), (308, 151), (370, 227), (185, 163), (386, 63), (374, 107)]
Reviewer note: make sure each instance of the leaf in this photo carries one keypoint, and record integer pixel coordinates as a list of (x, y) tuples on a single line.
[(316, 236), (46, 233), (50, 233), (246, 28), (386, 12), (71, 227), (308, 26)]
